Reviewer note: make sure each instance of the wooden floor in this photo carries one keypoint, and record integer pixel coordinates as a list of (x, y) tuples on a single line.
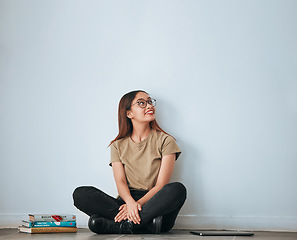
[(85, 234)]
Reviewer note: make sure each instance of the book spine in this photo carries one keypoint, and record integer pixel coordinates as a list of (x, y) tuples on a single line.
[(52, 224), (52, 218), (54, 229), (51, 230)]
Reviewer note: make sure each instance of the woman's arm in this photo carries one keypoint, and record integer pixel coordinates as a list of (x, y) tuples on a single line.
[(165, 173), (131, 210)]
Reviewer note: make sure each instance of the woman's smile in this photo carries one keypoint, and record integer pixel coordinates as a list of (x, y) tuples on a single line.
[(150, 112)]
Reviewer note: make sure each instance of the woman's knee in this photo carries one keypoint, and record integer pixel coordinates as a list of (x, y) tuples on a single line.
[(81, 193), (78, 192), (178, 188)]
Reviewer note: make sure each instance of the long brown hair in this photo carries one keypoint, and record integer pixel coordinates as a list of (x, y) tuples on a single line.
[(125, 123)]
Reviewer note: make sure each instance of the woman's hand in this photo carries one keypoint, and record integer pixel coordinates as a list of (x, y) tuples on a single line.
[(132, 212), (130, 209), (122, 214)]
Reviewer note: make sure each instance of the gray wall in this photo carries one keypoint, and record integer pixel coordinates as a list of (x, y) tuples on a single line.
[(224, 76)]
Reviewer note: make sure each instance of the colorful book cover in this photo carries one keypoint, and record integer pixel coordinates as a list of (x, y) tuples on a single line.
[(48, 230), (52, 217), (48, 224)]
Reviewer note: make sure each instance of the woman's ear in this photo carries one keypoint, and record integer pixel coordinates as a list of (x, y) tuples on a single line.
[(129, 114)]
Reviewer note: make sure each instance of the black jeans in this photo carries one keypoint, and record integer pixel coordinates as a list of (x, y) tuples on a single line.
[(167, 203)]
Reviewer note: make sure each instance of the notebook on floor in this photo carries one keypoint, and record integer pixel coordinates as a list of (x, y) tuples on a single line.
[(222, 233)]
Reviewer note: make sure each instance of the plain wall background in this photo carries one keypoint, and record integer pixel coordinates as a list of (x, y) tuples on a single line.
[(224, 76)]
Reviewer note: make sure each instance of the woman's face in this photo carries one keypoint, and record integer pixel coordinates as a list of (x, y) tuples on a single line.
[(136, 113)]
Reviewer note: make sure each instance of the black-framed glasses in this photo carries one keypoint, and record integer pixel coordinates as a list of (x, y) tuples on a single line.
[(143, 103)]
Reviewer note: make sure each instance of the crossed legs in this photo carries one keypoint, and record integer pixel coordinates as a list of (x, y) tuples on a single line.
[(167, 203)]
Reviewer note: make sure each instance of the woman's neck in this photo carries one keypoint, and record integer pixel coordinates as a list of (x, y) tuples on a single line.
[(140, 132)]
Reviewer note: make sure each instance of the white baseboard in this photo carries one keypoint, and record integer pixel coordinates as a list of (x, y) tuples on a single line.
[(191, 222)]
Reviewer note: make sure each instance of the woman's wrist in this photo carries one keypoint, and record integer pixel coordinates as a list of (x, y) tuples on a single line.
[(130, 201)]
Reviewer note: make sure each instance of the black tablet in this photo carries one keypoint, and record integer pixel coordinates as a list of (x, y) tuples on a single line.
[(222, 233)]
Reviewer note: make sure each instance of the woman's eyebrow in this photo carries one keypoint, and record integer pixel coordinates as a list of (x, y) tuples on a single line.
[(144, 99)]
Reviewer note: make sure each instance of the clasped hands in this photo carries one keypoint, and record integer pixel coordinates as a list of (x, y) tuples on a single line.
[(129, 211)]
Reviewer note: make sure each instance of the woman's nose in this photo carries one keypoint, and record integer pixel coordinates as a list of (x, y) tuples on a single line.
[(149, 106)]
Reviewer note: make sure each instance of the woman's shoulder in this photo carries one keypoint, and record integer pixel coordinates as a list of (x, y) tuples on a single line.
[(119, 142), (166, 143), (162, 136)]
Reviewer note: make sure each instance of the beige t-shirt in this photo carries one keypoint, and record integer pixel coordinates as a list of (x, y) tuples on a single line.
[(142, 160)]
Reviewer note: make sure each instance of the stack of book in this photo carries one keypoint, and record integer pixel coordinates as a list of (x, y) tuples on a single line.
[(47, 223)]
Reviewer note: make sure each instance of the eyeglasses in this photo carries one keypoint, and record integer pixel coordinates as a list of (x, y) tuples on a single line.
[(143, 103)]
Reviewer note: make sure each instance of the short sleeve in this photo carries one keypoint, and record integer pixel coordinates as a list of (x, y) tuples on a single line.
[(114, 153), (169, 146)]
